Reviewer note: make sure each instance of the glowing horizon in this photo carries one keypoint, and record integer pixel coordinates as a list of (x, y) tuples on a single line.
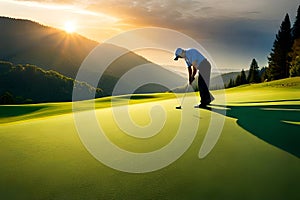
[(232, 32), (57, 15)]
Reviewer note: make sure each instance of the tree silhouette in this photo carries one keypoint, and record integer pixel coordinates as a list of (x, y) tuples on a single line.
[(295, 53), (253, 76), (264, 74), (295, 67), (238, 80), (296, 26), (231, 83), (243, 77), (279, 57), (7, 98)]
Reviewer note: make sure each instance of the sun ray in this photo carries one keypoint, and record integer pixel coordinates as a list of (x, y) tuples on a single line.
[(70, 27)]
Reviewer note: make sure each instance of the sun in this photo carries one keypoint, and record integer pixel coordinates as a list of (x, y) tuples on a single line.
[(70, 27)]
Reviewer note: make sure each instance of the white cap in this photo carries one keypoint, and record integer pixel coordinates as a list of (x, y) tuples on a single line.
[(178, 53)]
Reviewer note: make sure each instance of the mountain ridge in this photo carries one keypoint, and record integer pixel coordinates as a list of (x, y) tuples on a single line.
[(27, 42), (31, 84)]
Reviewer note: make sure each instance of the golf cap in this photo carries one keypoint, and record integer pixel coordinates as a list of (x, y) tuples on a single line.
[(178, 53)]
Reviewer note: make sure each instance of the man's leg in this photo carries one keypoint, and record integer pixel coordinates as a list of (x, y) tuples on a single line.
[(203, 90), (203, 82)]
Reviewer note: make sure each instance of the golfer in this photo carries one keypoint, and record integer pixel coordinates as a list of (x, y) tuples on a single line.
[(197, 62)]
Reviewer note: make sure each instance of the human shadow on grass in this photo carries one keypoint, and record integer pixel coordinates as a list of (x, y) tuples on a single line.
[(277, 125)]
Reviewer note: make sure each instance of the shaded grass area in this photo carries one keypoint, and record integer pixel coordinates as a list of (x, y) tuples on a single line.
[(268, 101), (264, 110), (269, 123), (12, 111), (15, 113)]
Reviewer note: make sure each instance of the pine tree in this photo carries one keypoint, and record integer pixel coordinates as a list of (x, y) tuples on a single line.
[(230, 84), (238, 80), (295, 56), (295, 68), (279, 57), (243, 77), (253, 76), (295, 53), (263, 74), (296, 26), (7, 98)]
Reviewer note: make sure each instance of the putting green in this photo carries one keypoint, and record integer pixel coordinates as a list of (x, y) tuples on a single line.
[(256, 156)]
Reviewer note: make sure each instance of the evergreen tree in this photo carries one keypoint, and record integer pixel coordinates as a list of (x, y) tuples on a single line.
[(253, 76), (279, 57), (295, 53), (264, 74), (295, 68), (230, 84), (7, 98), (243, 77), (296, 26), (238, 80), (295, 56)]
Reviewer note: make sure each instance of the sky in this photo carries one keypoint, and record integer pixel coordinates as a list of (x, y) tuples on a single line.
[(232, 31)]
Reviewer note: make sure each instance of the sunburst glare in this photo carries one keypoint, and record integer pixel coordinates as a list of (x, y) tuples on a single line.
[(70, 27)]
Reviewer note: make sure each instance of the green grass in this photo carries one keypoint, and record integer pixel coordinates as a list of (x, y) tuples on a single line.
[(16, 113), (256, 156)]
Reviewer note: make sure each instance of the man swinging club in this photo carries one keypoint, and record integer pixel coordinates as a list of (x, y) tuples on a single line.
[(196, 61)]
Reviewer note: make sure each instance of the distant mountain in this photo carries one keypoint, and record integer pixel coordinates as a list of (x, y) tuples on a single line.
[(214, 82), (127, 62), (31, 84), (24, 41)]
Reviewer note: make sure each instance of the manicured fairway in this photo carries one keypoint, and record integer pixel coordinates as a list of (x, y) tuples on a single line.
[(256, 156)]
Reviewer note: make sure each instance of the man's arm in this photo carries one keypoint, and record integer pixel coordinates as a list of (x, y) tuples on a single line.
[(192, 72)]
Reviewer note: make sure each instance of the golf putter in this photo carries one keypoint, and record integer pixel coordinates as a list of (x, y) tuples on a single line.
[(186, 89)]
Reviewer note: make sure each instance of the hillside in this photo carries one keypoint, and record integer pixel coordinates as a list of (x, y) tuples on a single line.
[(226, 79), (24, 41), (27, 42), (125, 63), (31, 84)]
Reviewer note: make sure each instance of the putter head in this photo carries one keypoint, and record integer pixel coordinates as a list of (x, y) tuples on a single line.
[(178, 107)]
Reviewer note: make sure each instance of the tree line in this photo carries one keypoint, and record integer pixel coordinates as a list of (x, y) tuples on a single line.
[(284, 59), (254, 76), (31, 84)]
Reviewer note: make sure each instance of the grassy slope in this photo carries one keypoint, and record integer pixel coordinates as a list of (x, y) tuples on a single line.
[(42, 156)]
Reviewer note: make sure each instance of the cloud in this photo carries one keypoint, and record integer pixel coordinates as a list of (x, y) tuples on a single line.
[(51, 1), (228, 29), (234, 31)]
